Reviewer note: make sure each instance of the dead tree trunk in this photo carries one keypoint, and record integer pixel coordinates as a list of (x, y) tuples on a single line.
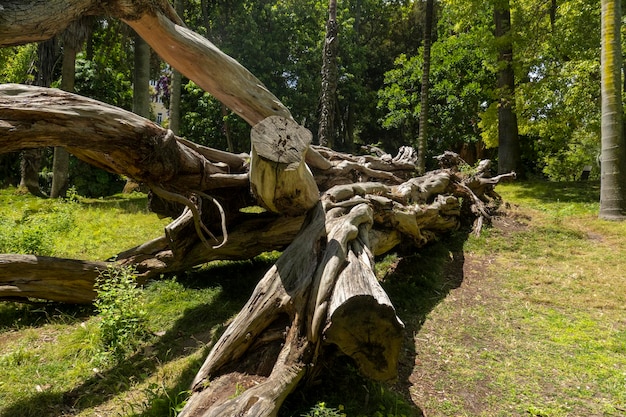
[(330, 212)]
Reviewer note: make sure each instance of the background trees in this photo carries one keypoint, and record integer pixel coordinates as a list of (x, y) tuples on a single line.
[(555, 68)]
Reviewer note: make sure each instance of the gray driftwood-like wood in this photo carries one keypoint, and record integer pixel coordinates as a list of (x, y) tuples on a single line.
[(57, 279), (329, 212)]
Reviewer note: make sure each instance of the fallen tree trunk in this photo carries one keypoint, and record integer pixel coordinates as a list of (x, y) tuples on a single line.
[(321, 292), (330, 212), (65, 280)]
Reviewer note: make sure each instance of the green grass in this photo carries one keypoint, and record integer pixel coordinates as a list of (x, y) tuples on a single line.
[(526, 320), (91, 229)]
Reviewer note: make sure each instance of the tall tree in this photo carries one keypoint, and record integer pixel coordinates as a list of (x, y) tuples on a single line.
[(176, 84), (47, 52), (613, 157), (141, 79), (422, 140), (72, 39), (329, 78), (509, 152)]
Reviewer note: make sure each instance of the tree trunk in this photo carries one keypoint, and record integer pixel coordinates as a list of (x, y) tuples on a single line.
[(56, 279), (509, 153), (176, 85), (422, 140), (72, 39), (141, 78), (31, 159), (326, 130), (613, 157), (30, 165)]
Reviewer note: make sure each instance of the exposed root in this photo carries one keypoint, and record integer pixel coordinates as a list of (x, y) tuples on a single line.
[(179, 198), (222, 216)]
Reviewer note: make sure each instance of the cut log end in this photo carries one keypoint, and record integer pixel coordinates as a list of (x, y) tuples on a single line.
[(370, 333)]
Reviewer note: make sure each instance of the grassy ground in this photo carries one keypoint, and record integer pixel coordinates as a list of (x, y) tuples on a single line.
[(527, 320)]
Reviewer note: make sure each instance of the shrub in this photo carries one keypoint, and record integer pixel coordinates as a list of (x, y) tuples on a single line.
[(120, 307)]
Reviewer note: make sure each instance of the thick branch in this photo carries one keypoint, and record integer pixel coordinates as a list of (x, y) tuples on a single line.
[(105, 136), (157, 23), (56, 279)]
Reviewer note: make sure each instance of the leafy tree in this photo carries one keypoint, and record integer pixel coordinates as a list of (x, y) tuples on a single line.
[(461, 87), (509, 152), (558, 102)]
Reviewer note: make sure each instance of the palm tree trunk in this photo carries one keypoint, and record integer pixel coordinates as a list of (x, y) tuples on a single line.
[(613, 158)]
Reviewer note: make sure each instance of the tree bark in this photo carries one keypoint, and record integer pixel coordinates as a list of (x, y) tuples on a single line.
[(141, 78), (509, 153), (422, 140), (56, 279), (326, 129), (613, 157)]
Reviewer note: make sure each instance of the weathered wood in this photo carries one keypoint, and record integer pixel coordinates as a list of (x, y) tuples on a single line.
[(214, 71), (279, 176), (56, 279), (23, 21), (282, 293), (103, 135), (362, 321)]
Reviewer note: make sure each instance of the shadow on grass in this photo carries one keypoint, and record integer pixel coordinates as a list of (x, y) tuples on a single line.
[(417, 283), (186, 336), (16, 315), (130, 204)]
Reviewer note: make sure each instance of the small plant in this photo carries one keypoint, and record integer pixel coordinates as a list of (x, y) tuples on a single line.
[(321, 410), (120, 307), (162, 403)]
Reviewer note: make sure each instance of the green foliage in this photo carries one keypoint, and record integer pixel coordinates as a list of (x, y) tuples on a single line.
[(90, 181), (203, 121), (32, 231), (321, 410), (103, 82), (460, 89), (17, 62), (120, 306), (162, 403)]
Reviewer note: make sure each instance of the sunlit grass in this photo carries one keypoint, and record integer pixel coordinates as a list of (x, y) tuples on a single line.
[(526, 320), (542, 333), (90, 229)]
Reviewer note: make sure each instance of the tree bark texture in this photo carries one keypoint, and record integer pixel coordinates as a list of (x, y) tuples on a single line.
[(328, 98), (422, 140), (613, 156), (141, 78), (509, 153)]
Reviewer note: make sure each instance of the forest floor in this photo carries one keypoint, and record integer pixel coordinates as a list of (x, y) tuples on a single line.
[(529, 319)]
